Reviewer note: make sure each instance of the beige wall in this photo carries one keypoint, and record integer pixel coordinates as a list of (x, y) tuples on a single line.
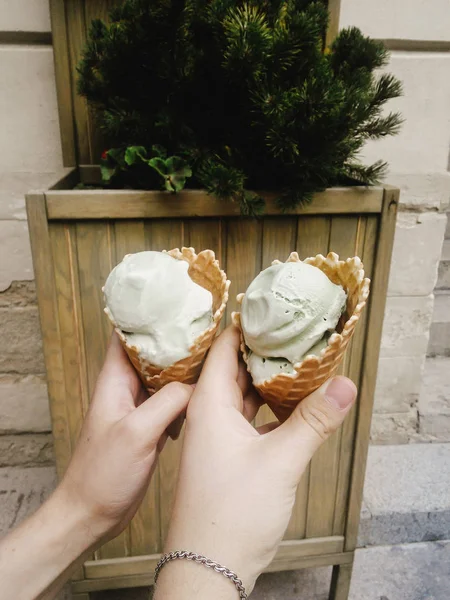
[(30, 153)]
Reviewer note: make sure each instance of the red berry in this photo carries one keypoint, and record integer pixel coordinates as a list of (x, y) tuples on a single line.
[(104, 154)]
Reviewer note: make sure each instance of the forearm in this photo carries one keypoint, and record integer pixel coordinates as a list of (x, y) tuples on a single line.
[(186, 580), (37, 558)]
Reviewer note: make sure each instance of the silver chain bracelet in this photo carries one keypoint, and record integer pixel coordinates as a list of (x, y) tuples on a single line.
[(202, 560)]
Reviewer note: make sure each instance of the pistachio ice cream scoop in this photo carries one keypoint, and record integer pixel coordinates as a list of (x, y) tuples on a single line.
[(288, 312), (161, 311)]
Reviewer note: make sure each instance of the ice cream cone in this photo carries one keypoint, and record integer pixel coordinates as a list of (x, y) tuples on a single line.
[(284, 391), (204, 270)]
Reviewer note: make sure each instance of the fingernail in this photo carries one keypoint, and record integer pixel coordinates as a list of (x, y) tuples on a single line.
[(340, 392)]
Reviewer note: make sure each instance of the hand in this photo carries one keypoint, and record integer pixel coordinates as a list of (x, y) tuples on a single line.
[(237, 485), (103, 486), (119, 444)]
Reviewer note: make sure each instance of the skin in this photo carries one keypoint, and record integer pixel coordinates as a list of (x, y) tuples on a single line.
[(236, 486)]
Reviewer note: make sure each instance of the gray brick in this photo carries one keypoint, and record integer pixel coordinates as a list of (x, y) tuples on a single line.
[(28, 450), (24, 404), (22, 348)]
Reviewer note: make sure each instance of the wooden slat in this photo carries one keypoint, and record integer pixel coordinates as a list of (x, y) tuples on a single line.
[(66, 179), (278, 241), (128, 204), (96, 10), (365, 249), (367, 387), (70, 322), (63, 81), (147, 578), (203, 234), (165, 235), (334, 9), (76, 32), (51, 335), (313, 235), (243, 257), (287, 552), (130, 236), (340, 581), (96, 258), (325, 463)]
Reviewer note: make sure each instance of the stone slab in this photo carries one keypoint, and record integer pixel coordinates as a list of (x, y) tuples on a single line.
[(398, 384), (416, 254), (422, 191), (402, 19), (406, 326), (408, 479), (434, 402), (29, 123), (394, 428), (22, 353), (439, 344), (24, 15), (443, 282), (22, 491), (19, 294), (14, 186), (24, 404), (422, 145), (28, 450), (446, 250), (441, 311), (447, 231), (15, 258)]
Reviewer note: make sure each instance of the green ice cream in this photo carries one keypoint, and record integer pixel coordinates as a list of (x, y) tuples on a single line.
[(287, 313)]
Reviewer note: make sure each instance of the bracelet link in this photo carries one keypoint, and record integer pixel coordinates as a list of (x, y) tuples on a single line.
[(207, 562)]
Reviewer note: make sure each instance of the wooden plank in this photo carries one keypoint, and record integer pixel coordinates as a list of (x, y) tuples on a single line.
[(203, 234), (76, 35), (165, 235), (129, 204), (70, 322), (365, 248), (325, 463), (334, 10), (340, 581), (147, 578), (376, 308), (288, 551), (243, 257), (96, 258), (51, 335), (96, 10), (63, 81), (66, 179), (144, 532)]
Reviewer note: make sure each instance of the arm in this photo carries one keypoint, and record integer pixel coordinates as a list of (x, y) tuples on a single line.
[(237, 484), (104, 484)]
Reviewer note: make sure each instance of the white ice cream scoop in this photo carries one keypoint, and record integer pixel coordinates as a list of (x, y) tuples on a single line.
[(152, 299), (288, 309)]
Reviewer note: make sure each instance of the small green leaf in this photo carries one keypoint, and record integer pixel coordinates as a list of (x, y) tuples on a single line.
[(134, 154), (117, 155), (159, 165), (107, 172)]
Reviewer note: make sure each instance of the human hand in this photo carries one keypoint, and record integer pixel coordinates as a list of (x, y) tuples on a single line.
[(119, 444), (237, 485)]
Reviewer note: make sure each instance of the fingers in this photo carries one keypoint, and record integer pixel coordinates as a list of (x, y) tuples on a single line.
[(252, 403), (151, 419), (220, 373), (117, 370), (316, 418)]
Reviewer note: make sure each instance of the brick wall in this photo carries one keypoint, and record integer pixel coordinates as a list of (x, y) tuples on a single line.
[(418, 160), (30, 153)]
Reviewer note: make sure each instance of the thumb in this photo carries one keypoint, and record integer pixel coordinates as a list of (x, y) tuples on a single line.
[(152, 417), (317, 417)]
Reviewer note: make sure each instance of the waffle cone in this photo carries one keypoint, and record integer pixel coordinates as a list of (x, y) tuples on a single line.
[(204, 270), (284, 391)]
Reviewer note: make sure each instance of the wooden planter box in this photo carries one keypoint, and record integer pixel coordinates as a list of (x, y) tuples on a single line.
[(77, 237)]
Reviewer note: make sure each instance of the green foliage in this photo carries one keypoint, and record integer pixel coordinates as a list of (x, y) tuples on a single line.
[(235, 95)]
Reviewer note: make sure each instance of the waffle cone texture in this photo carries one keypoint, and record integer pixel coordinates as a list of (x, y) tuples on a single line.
[(204, 270), (284, 391)]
